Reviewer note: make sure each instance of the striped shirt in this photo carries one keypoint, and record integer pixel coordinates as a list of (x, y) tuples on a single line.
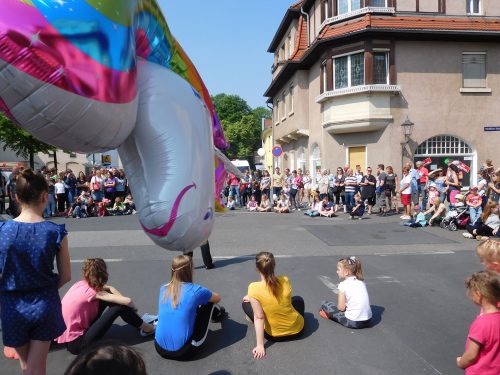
[(350, 180)]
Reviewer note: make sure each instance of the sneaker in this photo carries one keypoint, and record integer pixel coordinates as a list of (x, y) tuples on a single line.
[(467, 235), (360, 218), (150, 333), (149, 318), (298, 209), (218, 314)]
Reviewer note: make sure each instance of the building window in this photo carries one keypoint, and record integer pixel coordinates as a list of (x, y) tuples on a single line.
[(323, 77), (282, 53), (349, 71), (379, 3), (291, 99), (443, 145), (381, 68), (324, 10), (283, 97), (473, 6), (277, 111), (474, 69), (346, 6)]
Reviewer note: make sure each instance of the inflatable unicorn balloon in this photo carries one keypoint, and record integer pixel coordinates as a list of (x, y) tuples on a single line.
[(94, 75)]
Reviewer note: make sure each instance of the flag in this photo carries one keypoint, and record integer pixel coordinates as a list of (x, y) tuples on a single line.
[(463, 167)]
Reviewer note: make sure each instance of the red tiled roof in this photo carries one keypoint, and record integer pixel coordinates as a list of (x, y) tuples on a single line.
[(300, 41), (268, 123)]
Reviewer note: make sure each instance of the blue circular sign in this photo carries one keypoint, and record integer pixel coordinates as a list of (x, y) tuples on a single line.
[(277, 151)]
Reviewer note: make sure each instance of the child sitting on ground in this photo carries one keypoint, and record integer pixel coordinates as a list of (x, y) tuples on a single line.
[(283, 206), (316, 206), (327, 208), (230, 203), (129, 205), (359, 207), (252, 204), (118, 208), (101, 210), (353, 307), (419, 220), (265, 204), (483, 340)]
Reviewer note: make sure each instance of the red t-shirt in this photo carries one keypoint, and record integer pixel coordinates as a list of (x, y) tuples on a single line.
[(485, 331), (423, 172)]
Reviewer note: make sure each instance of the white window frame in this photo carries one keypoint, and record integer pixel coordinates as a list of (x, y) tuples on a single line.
[(326, 8), (292, 42), (471, 7), (277, 112), (349, 9), (283, 97), (485, 71), (292, 87), (348, 69), (324, 75)]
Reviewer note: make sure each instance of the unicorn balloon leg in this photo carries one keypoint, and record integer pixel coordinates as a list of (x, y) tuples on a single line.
[(88, 76)]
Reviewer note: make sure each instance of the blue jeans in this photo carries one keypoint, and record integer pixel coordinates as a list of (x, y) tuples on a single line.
[(78, 212), (97, 196), (71, 194), (349, 200), (423, 193), (474, 214), (50, 209)]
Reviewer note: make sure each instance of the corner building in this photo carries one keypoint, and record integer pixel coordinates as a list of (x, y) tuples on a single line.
[(348, 73)]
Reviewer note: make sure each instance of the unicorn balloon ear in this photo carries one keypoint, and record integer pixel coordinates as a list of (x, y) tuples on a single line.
[(88, 77)]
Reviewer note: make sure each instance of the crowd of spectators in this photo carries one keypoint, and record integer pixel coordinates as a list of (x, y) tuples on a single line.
[(105, 192), (429, 194)]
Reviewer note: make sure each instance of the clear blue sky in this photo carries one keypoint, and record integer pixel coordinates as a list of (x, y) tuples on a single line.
[(227, 40)]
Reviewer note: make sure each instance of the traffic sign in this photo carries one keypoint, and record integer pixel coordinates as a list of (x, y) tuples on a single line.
[(277, 151)]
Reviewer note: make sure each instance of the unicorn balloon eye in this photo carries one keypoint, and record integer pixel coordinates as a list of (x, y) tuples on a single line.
[(93, 75)]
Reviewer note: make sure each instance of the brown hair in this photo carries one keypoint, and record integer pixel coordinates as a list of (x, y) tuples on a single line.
[(490, 206), (406, 169), (353, 265), (389, 169), (486, 283), (30, 186), (489, 251), (182, 272), (95, 272), (265, 263)]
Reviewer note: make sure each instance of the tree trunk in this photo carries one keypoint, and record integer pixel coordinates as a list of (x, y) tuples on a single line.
[(55, 161)]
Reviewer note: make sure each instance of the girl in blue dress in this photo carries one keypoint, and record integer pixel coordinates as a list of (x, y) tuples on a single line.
[(29, 299)]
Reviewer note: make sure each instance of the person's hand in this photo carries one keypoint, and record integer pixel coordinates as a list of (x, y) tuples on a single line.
[(132, 305), (458, 361), (495, 231), (259, 352), (430, 222)]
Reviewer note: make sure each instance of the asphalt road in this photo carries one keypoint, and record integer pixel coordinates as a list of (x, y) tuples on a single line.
[(414, 278)]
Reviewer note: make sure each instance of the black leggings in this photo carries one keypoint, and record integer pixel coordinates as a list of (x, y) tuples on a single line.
[(481, 230), (102, 324), (61, 202), (203, 315), (297, 303)]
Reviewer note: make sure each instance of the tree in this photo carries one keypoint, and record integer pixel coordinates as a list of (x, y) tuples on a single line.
[(242, 125), (20, 141)]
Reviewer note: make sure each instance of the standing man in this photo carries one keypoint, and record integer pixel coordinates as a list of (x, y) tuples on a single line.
[(381, 197), (422, 183), (277, 184)]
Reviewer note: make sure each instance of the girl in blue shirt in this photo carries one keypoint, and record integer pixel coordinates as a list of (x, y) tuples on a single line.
[(30, 304), (184, 311)]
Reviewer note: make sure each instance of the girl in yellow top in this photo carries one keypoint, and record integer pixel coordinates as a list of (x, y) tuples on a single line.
[(270, 305)]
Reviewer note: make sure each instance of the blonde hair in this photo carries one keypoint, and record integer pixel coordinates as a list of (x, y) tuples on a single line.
[(489, 251), (353, 265), (486, 283), (357, 196), (436, 201), (95, 273), (181, 272), (265, 263)]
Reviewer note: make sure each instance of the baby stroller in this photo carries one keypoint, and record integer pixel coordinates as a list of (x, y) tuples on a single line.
[(456, 218)]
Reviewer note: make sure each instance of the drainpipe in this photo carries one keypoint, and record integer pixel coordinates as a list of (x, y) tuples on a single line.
[(272, 136), (308, 31)]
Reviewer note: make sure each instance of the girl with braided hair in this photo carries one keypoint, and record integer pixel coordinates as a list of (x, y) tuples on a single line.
[(270, 306)]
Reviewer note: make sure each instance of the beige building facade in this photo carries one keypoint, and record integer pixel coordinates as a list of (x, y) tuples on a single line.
[(357, 70)]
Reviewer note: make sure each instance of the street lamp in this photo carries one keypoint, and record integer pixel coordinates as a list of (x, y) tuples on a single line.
[(408, 128)]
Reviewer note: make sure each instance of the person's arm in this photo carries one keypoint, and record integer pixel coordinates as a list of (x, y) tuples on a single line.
[(112, 290), (470, 355), (341, 301), (405, 186), (63, 263), (119, 299), (492, 186), (258, 319), (215, 298)]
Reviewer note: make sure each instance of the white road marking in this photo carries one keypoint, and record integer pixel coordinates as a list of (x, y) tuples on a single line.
[(387, 279), (106, 260), (415, 253), (329, 283)]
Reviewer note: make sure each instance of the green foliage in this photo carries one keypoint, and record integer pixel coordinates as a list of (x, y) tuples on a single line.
[(242, 125), (20, 141)]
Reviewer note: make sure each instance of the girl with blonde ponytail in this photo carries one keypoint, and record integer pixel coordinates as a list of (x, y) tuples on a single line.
[(269, 304), (184, 312)]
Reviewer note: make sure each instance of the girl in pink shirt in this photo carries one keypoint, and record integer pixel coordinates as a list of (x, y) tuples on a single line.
[(91, 306)]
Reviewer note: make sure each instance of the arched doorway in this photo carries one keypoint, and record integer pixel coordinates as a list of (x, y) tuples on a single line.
[(315, 161), (301, 160), (443, 149)]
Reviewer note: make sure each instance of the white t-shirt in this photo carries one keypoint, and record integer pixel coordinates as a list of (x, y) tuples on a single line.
[(59, 188), (357, 302), (96, 182), (403, 182)]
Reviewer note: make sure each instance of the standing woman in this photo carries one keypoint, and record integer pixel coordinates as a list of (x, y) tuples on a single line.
[(60, 190), (265, 184), (368, 183), (110, 187), (270, 305), (30, 306), (452, 183), (184, 312), (306, 181), (405, 190), (121, 185), (81, 183)]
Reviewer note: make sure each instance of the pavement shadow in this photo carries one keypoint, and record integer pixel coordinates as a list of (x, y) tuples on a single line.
[(220, 372), (311, 325), (230, 333), (126, 334), (220, 263), (377, 312)]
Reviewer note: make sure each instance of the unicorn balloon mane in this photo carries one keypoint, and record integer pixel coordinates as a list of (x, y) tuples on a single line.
[(94, 75)]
